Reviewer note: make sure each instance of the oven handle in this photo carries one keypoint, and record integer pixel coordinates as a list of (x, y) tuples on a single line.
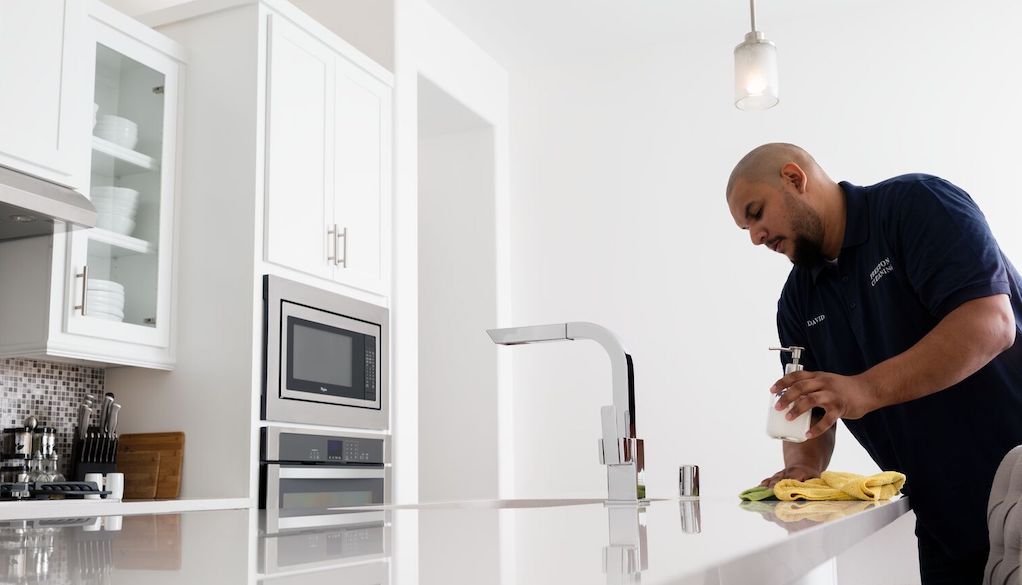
[(310, 472)]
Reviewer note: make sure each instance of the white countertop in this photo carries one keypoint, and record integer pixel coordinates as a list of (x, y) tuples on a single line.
[(705, 541), (78, 507)]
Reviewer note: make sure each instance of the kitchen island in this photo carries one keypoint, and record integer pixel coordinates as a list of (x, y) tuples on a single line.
[(695, 541)]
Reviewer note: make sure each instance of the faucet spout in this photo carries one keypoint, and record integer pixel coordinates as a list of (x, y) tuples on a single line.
[(620, 450)]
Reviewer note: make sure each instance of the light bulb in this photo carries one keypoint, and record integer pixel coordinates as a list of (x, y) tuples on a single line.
[(755, 73)]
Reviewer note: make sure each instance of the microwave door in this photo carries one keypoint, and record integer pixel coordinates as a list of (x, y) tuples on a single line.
[(328, 358)]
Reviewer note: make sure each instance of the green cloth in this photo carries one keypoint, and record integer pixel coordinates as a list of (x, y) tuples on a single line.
[(755, 494)]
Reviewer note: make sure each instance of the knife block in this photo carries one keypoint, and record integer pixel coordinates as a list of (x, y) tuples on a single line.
[(96, 453)]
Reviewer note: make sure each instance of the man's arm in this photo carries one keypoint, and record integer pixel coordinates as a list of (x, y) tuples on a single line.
[(806, 460), (962, 342)]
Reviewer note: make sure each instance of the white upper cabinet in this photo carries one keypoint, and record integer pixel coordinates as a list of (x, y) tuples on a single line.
[(362, 172), (120, 273), (328, 151), (43, 116), (298, 151), (107, 294)]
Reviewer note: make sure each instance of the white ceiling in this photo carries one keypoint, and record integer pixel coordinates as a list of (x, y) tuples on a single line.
[(517, 31)]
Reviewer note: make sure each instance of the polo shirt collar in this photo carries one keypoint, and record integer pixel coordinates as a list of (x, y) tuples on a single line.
[(856, 220)]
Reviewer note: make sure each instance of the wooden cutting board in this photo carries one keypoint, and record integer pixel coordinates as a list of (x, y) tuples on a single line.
[(170, 446), (141, 471)]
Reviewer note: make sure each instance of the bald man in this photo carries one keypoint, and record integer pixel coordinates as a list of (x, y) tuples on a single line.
[(908, 309)]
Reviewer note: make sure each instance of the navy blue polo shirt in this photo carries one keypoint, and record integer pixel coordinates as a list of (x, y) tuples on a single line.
[(915, 248)]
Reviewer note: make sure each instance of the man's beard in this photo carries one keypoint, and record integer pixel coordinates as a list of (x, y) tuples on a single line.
[(808, 229)]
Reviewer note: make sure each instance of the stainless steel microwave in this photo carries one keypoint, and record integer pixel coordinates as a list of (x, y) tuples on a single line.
[(326, 357)]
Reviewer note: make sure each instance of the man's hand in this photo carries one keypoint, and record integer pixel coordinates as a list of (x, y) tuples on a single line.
[(849, 397), (797, 472)]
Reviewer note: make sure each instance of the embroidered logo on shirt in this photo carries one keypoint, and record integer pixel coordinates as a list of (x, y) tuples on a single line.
[(883, 268), (815, 320)]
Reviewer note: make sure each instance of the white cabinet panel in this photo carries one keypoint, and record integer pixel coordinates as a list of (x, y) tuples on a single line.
[(42, 76), (298, 150), (361, 173)]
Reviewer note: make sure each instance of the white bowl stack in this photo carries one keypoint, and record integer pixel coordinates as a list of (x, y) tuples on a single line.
[(115, 208), (120, 131), (105, 300)]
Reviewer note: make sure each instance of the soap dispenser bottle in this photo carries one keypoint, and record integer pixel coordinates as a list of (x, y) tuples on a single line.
[(778, 426)]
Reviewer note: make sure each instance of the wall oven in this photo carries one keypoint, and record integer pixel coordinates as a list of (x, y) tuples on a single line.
[(306, 475), (326, 357)]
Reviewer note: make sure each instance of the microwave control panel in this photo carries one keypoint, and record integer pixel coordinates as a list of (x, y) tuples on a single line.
[(329, 449)]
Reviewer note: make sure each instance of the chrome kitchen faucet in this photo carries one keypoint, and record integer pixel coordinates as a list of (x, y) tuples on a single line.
[(620, 450)]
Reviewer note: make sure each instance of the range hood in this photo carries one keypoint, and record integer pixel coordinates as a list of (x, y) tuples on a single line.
[(29, 206)]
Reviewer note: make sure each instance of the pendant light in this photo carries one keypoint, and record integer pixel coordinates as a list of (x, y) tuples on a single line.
[(755, 70)]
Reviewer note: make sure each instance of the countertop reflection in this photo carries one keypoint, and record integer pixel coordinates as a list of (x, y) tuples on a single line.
[(704, 541)]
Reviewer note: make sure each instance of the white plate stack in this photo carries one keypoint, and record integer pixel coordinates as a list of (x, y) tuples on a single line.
[(120, 131), (105, 300), (115, 208)]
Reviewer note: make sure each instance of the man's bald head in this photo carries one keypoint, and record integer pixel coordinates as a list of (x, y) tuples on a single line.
[(763, 164)]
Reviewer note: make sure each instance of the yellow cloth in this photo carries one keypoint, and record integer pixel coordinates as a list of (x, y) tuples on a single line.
[(838, 485)]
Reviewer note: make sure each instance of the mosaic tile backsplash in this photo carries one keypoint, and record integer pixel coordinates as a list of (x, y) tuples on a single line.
[(51, 392)]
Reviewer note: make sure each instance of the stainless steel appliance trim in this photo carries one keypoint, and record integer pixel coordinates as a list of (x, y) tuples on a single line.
[(326, 472), (280, 409), (43, 201), (341, 518), (289, 309), (273, 434)]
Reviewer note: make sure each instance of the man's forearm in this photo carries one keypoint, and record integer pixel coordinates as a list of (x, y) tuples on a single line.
[(964, 341), (813, 454)]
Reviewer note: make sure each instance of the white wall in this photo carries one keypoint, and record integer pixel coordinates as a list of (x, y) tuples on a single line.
[(457, 302)]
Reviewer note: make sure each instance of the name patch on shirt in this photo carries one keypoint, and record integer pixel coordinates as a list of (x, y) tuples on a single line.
[(815, 320), (882, 269)]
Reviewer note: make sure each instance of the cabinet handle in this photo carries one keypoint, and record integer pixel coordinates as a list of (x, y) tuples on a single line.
[(342, 235), (331, 238), (85, 286)]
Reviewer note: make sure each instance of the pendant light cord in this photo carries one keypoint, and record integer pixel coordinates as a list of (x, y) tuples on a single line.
[(752, 12)]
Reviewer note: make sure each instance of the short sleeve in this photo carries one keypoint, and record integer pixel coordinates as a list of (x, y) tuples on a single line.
[(791, 327), (949, 254)]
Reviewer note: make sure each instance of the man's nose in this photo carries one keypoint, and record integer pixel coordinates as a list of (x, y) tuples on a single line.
[(758, 236)]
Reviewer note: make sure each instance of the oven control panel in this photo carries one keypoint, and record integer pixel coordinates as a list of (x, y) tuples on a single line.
[(330, 449)]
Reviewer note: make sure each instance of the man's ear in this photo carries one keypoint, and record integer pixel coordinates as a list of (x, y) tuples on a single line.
[(792, 174)]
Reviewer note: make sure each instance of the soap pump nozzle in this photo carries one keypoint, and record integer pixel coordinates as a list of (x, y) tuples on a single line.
[(796, 354)]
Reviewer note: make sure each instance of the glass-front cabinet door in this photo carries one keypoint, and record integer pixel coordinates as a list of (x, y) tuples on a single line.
[(119, 272)]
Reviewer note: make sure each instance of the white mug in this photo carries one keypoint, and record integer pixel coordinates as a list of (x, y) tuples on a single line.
[(115, 485), (96, 478), (112, 523)]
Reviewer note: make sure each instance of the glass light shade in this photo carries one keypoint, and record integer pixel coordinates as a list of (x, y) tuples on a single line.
[(755, 73)]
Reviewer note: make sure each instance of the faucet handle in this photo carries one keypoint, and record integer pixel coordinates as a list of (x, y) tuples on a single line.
[(623, 450)]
